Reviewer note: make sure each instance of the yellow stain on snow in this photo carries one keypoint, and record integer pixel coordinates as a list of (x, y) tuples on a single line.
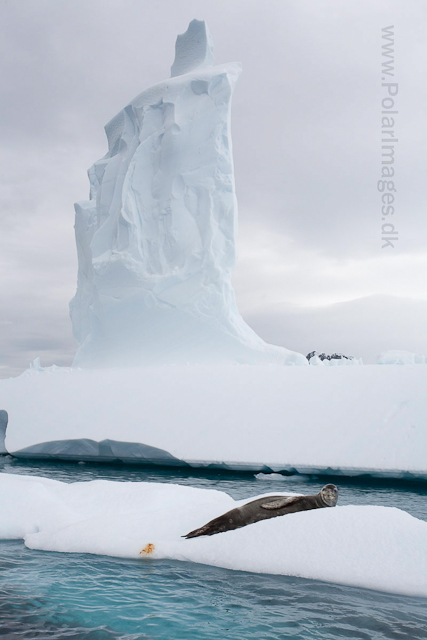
[(148, 549)]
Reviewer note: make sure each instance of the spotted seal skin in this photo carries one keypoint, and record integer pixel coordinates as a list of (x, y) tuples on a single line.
[(267, 507)]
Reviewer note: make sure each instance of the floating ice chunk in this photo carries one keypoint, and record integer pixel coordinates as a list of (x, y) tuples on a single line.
[(82, 449), (270, 476), (365, 546), (36, 365), (400, 357), (35, 369)]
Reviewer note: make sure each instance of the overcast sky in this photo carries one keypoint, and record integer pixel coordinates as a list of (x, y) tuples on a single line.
[(306, 125)]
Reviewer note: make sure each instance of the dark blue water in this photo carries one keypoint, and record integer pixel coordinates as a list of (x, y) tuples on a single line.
[(51, 595)]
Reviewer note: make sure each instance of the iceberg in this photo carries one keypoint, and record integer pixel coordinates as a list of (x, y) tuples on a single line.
[(374, 547), (156, 240)]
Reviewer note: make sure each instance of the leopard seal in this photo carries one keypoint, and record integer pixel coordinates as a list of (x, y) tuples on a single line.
[(267, 507)]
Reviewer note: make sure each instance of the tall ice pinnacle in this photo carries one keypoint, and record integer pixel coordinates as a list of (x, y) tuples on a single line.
[(156, 240), (193, 49)]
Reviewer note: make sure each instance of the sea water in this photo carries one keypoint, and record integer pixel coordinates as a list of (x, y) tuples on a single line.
[(53, 595)]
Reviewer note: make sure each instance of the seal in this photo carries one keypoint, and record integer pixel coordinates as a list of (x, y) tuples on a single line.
[(267, 507)]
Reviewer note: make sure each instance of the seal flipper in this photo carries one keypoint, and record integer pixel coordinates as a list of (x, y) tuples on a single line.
[(208, 529), (201, 531), (280, 503)]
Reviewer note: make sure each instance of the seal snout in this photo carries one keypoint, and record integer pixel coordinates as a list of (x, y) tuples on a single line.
[(329, 495)]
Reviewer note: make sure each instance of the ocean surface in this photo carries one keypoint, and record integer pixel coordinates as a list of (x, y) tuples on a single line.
[(54, 595)]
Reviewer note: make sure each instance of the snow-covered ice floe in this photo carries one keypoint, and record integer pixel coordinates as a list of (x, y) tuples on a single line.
[(365, 546), (334, 420)]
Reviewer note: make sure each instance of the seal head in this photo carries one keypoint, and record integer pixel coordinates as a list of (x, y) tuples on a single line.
[(329, 495)]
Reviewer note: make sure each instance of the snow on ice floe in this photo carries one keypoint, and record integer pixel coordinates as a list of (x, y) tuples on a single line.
[(344, 420), (156, 240), (366, 546)]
